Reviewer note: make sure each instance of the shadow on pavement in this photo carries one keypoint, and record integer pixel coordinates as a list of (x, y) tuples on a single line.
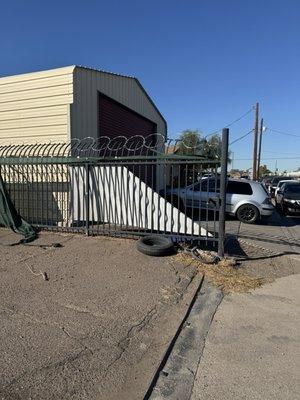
[(233, 248), (265, 238), (280, 220)]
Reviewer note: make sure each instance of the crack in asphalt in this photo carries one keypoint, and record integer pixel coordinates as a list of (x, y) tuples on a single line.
[(29, 317), (60, 363), (124, 342), (80, 310), (79, 341)]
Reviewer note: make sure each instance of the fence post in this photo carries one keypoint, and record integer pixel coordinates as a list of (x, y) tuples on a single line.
[(87, 198), (223, 181)]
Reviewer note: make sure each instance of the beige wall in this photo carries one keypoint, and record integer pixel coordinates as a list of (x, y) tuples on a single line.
[(84, 111), (35, 107), (39, 106)]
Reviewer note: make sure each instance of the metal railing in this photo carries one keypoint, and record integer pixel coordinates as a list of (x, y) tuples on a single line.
[(118, 186)]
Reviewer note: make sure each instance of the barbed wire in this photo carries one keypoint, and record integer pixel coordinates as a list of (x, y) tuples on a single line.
[(118, 146)]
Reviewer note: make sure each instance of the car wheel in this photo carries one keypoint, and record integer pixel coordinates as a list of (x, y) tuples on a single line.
[(247, 213)]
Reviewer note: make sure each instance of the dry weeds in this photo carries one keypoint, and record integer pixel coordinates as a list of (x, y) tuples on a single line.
[(225, 274)]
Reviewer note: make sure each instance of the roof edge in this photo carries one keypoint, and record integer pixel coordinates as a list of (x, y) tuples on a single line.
[(70, 69), (152, 102), (104, 71), (39, 73), (138, 83)]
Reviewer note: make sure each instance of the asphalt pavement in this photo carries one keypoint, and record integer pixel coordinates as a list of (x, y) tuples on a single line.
[(97, 328), (251, 351), (278, 234)]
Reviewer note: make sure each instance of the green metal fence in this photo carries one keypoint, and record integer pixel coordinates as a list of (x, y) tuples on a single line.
[(118, 187)]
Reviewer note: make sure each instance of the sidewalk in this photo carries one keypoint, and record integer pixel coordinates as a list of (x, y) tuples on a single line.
[(252, 349)]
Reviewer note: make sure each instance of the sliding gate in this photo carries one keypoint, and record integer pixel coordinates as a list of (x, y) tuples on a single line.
[(117, 187)]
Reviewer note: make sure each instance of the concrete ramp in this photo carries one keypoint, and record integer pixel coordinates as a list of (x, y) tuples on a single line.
[(117, 196)]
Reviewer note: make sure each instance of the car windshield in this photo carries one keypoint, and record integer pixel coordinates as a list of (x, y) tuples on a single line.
[(292, 188), (282, 183), (280, 178)]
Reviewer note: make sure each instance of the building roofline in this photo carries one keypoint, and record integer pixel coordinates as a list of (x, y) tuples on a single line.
[(129, 77), (29, 75), (151, 101), (104, 71), (70, 68)]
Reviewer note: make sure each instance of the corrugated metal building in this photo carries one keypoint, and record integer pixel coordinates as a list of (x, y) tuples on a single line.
[(74, 102)]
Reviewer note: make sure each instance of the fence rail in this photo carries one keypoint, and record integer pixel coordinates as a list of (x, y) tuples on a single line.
[(116, 186)]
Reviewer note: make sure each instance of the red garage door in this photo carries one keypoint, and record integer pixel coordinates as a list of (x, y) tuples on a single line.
[(116, 120)]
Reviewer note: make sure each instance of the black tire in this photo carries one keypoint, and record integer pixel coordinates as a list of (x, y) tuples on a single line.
[(156, 246), (247, 213)]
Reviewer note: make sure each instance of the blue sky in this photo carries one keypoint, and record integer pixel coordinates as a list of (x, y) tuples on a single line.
[(204, 63)]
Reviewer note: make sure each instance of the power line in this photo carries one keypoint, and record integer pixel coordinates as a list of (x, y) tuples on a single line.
[(283, 133), (241, 137), (269, 158), (280, 152), (233, 122)]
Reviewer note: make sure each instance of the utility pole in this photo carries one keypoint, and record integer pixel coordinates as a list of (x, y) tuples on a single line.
[(259, 145), (255, 131)]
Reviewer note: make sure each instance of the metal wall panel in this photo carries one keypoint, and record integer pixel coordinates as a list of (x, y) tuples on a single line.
[(34, 112), (35, 106), (31, 76), (125, 90)]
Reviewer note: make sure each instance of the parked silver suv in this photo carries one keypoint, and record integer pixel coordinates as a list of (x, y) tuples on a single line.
[(245, 199)]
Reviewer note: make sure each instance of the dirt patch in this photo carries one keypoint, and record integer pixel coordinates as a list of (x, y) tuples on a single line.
[(227, 276), (247, 266)]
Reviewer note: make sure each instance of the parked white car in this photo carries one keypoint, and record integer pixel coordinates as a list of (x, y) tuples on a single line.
[(245, 199)]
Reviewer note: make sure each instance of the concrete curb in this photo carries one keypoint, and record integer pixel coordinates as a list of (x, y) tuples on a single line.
[(176, 377)]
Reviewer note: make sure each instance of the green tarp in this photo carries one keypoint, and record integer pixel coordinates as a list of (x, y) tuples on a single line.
[(11, 219)]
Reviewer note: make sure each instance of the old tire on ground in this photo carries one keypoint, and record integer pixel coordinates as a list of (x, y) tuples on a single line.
[(157, 246), (247, 213)]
